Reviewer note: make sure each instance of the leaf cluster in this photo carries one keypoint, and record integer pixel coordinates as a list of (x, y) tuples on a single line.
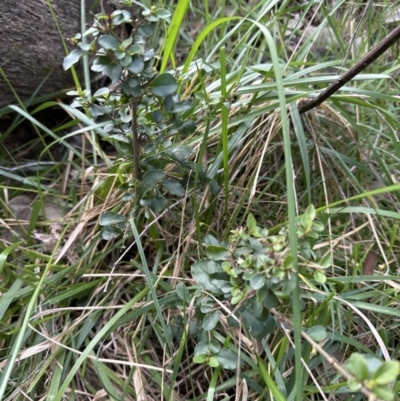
[(255, 260), (141, 110), (375, 375), (252, 270)]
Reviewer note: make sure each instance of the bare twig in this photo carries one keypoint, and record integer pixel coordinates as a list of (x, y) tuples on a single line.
[(30, 165), (371, 56)]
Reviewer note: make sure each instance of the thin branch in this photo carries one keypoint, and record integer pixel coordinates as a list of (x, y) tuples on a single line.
[(30, 165), (371, 56)]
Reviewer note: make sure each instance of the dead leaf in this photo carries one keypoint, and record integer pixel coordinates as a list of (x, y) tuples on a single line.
[(369, 263)]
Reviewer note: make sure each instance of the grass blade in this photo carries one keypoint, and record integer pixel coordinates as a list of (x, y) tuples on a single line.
[(149, 279), (173, 32), (291, 205)]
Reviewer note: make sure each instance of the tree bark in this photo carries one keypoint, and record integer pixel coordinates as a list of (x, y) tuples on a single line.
[(31, 46)]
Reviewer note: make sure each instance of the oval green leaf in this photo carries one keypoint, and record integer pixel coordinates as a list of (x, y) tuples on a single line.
[(111, 218), (146, 31), (137, 65), (211, 320), (174, 187), (319, 276), (182, 292), (164, 85), (108, 42), (104, 92), (326, 261), (72, 58), (110, 232), (217, 252), (152, 177), (181, 152), (163, 13), (199, 358), (358, 366), (213, 362), (201, 272), (113, 71), (310, 212), (188, 127), (387, 372), (317, 333), (251, 222), (257, 281), (228, 359)]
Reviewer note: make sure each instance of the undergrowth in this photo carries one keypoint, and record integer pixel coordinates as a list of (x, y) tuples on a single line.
[(184, 232)]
